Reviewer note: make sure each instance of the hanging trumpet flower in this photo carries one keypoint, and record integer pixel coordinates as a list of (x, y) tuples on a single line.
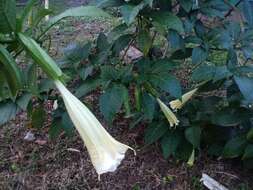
[(178, 104), (106, 153), (168, 114)]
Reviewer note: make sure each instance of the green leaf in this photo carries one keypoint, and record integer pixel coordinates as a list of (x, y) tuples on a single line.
[(247, 11), (41, 57), (55, 128), (248, 153), (186, 4), (167, 83), (234, 147), (175, 40), (148, 106), (40, 14), (199, 55), (8, 111), (102, 42), (193, 135), (24, 100), (250, 135), (25, 13), (31, 78), (82, 11), (108, 3), (87, 87), (38, 117), (109, 73), (245, 85), (67, 124), (154, 132), (121, 43), (170, 142), (75, 53), (184, 150), (86, 72), (46, 85), (181, 54), (168, 21), (11, 70), (111, 101), (144, 41), (203, 72), (129, 12), (230, 117), (7, 16)]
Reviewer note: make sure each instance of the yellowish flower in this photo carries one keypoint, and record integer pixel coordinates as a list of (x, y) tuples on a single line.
[(178, 104), (105, 152), (168, 113)]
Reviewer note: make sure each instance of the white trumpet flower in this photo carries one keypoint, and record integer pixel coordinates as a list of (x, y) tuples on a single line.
[(168, 113), (105, 152), (178, 104)]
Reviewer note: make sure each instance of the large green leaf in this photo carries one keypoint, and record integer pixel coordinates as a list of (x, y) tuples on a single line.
[(108, 3), (129, 11), (111, 101), (170, 142), (168, 21), (148, 106), (11, 70), (38, 117), (193, 134), (245, 85), (154, 132), (250, 135), (25, 13), (186, 4), (144, 41), (175, 40), (40, 57), (247, 11), (8, 111), (199, 55), (7, 16), (24, 100), (82, 11), (121, 43), (87, 87), (230, 117), (168, 83), (234, 147), (248, 153)]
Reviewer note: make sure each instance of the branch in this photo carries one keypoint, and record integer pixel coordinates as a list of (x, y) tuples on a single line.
[(232, 9)]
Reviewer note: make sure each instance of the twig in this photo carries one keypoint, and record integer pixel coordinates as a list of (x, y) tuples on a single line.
[(232, 9), (128, 47)]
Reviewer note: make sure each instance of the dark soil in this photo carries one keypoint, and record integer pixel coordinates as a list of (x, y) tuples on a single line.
[(63, 163)]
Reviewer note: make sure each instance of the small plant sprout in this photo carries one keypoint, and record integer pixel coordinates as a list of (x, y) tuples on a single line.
[(178, 104), (106, 153), (168, 114)]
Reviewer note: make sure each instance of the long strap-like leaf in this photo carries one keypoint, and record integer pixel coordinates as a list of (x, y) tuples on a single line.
[(40, 57), (10, 70)]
